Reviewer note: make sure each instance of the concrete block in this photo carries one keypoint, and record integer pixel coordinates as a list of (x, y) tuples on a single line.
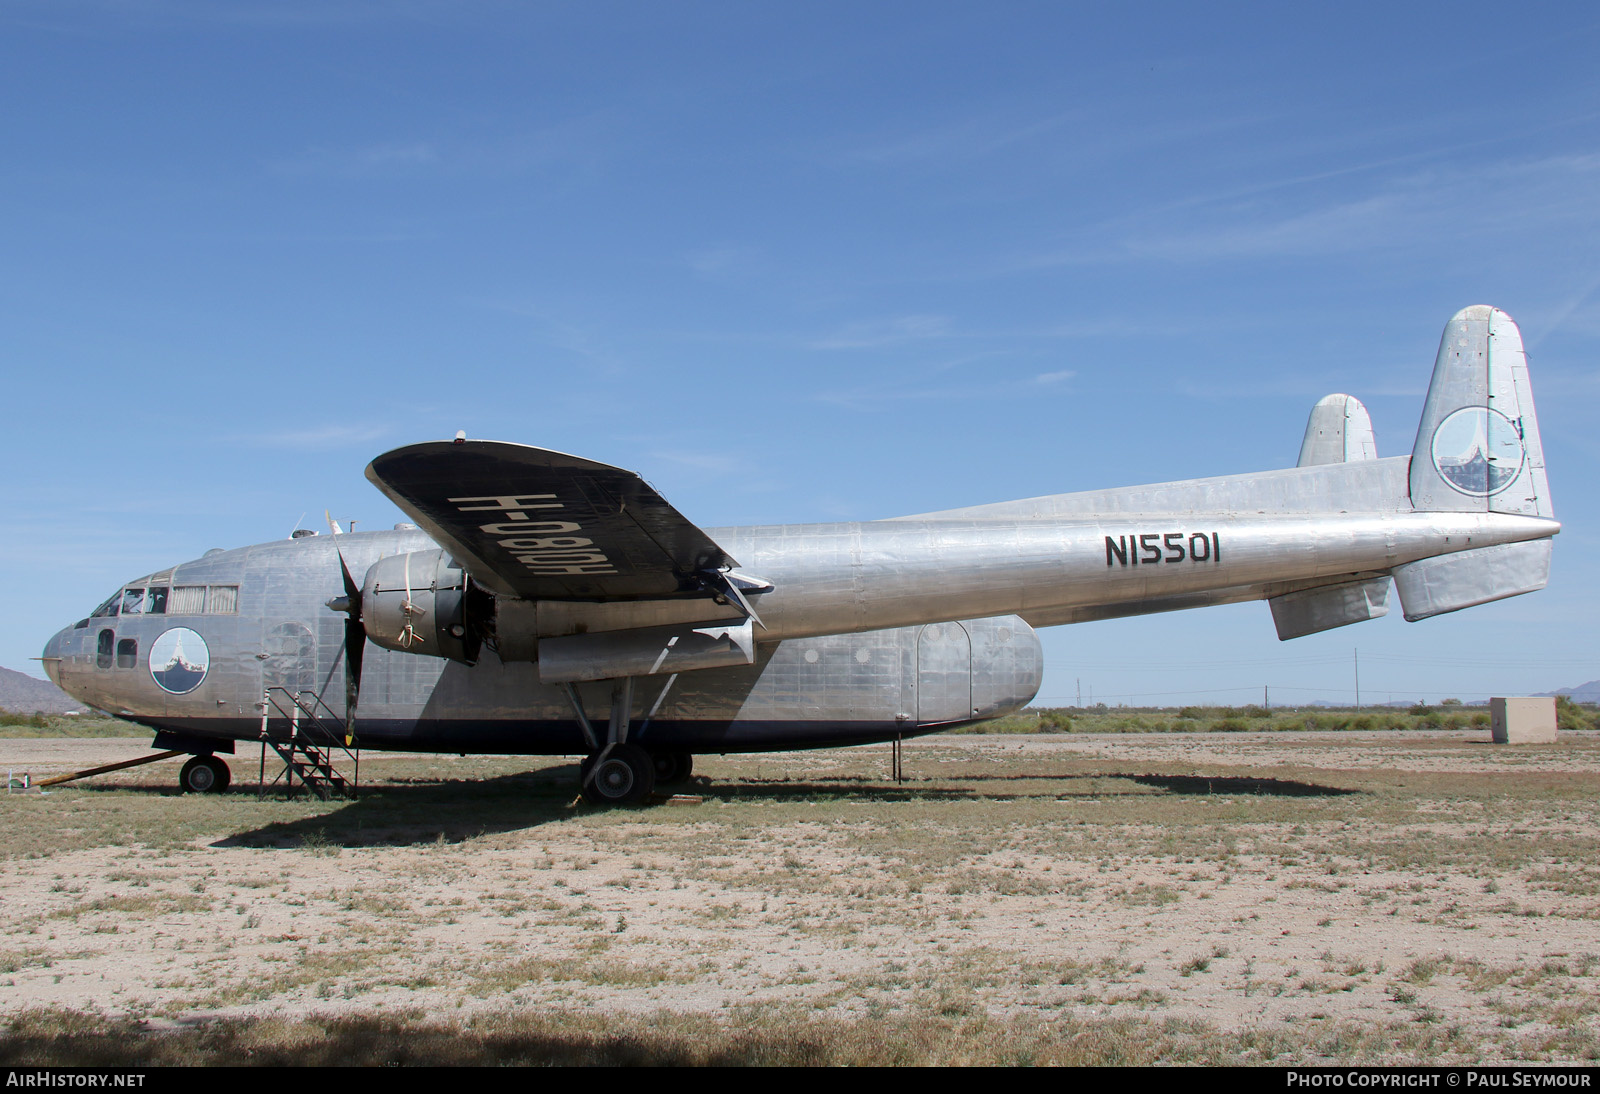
[(1523, 721)]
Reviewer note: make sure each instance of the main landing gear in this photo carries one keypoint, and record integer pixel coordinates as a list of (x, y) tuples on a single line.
[(204, 775), (619, 771)]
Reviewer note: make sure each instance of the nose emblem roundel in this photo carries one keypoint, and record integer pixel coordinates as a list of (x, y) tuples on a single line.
[(179, 660)]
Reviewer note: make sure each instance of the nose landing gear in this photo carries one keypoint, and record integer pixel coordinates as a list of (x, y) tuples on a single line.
[(204, 775)]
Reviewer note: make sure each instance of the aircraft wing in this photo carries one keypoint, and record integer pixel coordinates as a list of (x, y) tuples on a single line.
[(538, 524)]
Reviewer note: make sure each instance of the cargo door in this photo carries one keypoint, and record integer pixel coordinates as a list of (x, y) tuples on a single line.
[(944, 674)]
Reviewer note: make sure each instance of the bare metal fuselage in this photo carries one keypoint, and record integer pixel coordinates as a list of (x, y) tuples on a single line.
[(870, 630)]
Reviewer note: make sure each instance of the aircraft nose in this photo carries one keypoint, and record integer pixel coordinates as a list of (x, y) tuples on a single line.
[(51, 659)]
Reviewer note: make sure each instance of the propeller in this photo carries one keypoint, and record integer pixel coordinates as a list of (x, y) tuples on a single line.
[(355, 643)]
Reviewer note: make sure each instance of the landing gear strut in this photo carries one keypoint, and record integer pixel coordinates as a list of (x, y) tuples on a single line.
[(204, 775), (618, 771)]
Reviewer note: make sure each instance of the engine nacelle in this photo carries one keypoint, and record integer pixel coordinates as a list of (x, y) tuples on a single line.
[(418, 603)]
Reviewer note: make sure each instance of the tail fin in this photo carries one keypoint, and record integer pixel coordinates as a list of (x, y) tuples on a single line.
[(1477, 451), (1340, 431), (1478, 447)]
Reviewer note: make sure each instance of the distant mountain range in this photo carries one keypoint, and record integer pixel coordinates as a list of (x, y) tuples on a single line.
[(24, 694), (1583, 693)]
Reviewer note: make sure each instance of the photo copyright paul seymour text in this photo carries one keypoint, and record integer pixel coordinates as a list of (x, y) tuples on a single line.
[(1437, 1079)]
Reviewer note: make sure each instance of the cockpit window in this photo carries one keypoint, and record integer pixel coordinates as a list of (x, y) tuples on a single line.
[(168, 600)]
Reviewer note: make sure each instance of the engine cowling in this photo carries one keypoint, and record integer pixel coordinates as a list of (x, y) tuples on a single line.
[(418, 602)]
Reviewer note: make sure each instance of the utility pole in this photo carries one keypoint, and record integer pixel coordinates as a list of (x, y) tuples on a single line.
[(1357, 654)]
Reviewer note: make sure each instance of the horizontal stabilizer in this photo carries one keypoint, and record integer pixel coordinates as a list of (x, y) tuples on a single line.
[(1340, 431), (537, 524), (1311, 610), (1478, 448), (1448, 583)]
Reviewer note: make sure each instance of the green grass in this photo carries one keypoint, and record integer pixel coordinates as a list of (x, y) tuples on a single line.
[(1256, 719), (758, 1036), (17, 725)]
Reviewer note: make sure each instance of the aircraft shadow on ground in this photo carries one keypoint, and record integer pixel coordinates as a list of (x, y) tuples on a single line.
[(422, 811), (426, 811), (1202, 785), (415, 812), (842, 790)]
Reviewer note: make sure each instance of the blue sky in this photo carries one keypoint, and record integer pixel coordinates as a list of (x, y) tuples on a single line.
[(815, 262)]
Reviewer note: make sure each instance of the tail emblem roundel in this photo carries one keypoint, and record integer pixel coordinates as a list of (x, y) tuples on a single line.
[(1478, 451)]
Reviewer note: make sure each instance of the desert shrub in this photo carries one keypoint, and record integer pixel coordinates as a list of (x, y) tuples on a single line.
[(1569, 715), (1054, 721)]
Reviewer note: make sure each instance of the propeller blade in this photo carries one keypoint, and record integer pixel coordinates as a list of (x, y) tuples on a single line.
[(355, 644)]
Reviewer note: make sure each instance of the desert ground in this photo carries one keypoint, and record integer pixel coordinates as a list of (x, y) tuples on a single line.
[(1419, 896)]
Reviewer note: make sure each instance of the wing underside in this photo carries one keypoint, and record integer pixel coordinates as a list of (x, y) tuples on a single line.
[(543, 525)]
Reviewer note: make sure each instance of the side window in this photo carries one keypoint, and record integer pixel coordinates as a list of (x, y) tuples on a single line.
[(222, 600), (156, 602), (127, 653), (188, 600), (132, 601), (102, 652)]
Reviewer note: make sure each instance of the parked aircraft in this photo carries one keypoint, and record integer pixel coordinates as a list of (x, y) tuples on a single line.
[(547, 604)]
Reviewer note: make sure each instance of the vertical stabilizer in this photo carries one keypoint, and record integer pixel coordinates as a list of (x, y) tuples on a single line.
[(1478, 444), (1340, 430)]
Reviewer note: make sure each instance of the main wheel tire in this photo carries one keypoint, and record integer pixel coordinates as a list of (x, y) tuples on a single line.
[(204, 775), (620, 775), (673, 767)]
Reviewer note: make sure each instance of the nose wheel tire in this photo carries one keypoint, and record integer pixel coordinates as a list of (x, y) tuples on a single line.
[(622, 774), (203, 775)]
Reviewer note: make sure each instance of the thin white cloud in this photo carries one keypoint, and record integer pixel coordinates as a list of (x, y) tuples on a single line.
[(1419, 209), (361, 160), (1055, 377), (886, 332), (969, 138), (710, 261), (719, 463), (317, 437)]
